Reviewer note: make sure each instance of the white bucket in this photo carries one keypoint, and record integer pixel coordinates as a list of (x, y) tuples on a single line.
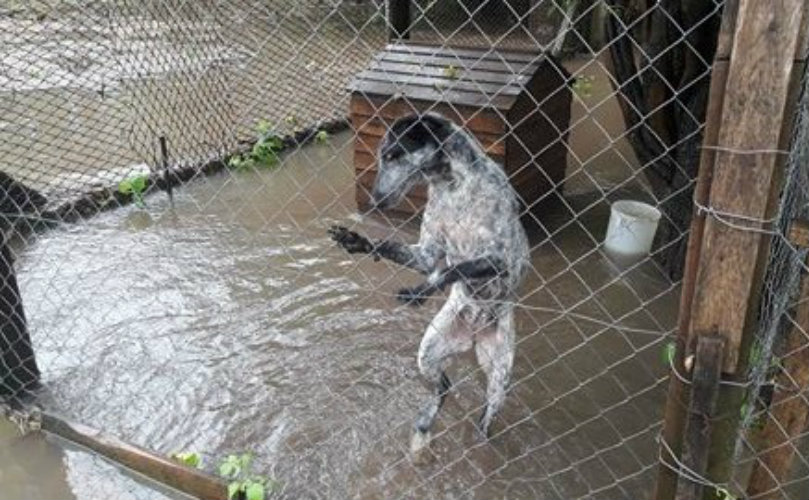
[(631, 229)]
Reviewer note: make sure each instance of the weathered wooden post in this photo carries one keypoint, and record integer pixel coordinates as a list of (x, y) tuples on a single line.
[(701, 412), (399, 19), (739, 176)]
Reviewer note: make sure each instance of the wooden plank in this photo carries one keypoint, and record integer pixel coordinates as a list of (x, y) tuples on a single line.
[(789, 410), (430, 94), (701, 412), (754, 107), (186, 479), (411, 48), (364, 108), (444, 61), (440, 83), (475, 75)]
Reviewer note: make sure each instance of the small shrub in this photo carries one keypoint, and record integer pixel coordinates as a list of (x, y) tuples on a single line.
[(322, 137), (135, 186), (263, 153), (242, 483)]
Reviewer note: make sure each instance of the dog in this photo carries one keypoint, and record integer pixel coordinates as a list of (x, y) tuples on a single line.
[(471, 240)]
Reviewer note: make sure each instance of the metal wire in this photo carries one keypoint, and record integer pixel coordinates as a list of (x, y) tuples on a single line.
[(227, 322)]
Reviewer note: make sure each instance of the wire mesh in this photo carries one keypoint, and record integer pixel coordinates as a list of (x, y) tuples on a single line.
[(222, 320)]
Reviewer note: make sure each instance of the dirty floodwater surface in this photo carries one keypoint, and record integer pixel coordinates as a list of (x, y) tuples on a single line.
[(231, 323)]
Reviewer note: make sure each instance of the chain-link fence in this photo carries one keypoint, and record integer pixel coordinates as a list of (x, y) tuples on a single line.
[(170, 170)]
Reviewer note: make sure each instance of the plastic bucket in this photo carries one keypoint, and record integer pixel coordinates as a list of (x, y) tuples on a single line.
[(631, 229)]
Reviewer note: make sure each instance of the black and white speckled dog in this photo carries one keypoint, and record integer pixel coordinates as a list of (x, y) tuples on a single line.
[(471, 239)]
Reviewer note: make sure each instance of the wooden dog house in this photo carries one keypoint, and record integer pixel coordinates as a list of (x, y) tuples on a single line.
[(517, 105)]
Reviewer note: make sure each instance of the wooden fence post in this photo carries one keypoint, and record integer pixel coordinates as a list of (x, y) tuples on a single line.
[(701, 411), (735, 192)]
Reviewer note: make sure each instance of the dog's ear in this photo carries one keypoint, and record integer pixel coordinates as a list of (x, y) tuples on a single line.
[(438, 127)]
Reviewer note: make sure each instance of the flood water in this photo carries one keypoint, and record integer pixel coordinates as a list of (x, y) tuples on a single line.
[(230, 323)]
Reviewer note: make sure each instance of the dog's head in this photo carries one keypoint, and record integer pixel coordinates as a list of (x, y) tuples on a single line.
[(410, 153)]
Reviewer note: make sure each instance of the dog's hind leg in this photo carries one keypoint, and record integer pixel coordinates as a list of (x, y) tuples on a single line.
[(495, 352), (441, 340)]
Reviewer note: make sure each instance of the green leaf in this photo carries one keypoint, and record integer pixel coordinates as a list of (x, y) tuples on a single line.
[(230, 467), (275, 143), (724, 494), (254, 491), (233, 489), (263, 127), (138, 183), (125, 186), (667, 353), (190, 459), (322, 137)]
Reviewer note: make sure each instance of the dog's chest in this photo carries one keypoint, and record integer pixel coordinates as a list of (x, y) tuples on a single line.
[(467, 229)]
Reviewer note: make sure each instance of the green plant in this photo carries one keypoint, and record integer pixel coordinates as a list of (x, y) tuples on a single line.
[(293, 123), (190, 459), (322, 137), (135, 186), (724, 493), (263, 153), (667, 353), (242, 482)]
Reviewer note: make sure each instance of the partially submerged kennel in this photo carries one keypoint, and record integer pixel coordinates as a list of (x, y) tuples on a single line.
[(517, 104)]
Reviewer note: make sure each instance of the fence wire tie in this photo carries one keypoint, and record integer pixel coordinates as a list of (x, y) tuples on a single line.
[(682, 378), (683, 470), (738, 221)]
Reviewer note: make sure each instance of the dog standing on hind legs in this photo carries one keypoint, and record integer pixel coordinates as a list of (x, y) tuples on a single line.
[(471, 240)]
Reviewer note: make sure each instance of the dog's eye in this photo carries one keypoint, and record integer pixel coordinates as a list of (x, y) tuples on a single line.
[(392, 154)]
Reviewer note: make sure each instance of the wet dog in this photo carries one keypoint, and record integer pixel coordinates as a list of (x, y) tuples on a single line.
[(471, 241)]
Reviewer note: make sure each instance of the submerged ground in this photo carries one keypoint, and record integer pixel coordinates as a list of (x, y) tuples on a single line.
[(231, 323)]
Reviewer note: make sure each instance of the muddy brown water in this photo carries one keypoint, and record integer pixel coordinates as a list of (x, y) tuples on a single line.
[(230, 323)]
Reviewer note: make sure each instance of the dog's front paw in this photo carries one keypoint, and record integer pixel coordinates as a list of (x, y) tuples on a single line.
[(413, 297), (350, 241)]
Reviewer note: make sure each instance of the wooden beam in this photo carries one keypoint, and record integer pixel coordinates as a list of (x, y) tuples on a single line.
[(701, 412), (753, 111), (186, 479)]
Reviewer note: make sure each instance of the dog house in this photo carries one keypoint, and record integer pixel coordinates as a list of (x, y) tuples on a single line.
[(517, 104)]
